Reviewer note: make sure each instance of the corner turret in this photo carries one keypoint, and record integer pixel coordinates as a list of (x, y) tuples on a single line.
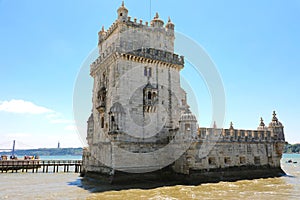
[(122, 13), (157, 22), (231, 126), (90, 129), (101, 35), (170, 25), (262, 125), (188, 123), (276, 128)]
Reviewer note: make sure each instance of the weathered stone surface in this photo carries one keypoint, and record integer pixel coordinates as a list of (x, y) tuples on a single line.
[(141, 123)]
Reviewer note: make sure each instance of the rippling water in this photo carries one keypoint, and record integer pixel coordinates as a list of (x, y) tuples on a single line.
[(70, 186)]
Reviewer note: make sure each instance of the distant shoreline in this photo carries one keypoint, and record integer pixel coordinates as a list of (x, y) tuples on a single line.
[(289, 149), (46, 152)]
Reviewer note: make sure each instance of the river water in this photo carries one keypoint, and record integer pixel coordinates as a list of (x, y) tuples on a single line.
[(70, 186)]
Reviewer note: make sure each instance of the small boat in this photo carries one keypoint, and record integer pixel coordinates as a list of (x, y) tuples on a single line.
[(291, 161)]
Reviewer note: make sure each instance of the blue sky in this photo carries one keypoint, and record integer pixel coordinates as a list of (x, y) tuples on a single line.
[(254, 44)]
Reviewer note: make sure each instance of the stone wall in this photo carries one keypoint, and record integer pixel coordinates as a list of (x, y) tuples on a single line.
[(227, 154)]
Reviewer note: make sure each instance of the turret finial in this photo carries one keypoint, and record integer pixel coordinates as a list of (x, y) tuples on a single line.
[(231, 125), (156, 16), (169, 20), (262, 122), (215, 125), (274, 116), (102, 30), (123, 4)]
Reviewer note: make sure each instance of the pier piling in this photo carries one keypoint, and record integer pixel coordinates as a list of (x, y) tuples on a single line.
[(40, 166)]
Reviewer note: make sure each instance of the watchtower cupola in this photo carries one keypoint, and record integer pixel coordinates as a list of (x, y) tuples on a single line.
[(157, 22), (101, 35), (262, 125), (170, 25), (122, 13), (276, 127)]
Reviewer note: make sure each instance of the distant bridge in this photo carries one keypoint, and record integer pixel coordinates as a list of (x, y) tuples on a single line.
[(12, 150)]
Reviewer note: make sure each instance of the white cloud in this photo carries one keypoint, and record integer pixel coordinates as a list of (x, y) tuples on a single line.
[(22, 107)]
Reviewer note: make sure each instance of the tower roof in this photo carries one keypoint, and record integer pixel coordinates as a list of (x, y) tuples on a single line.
[(275, 121), (170, 24), (122, 7), (117, 108), (231, 125), (157, 21), (188, 116), (262, 124)]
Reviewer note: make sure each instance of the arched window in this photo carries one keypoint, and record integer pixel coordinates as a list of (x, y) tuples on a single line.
[(187, 127), (104, 76), (149, 95), (102, 122)]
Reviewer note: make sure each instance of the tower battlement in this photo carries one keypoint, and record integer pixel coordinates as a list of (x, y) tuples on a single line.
[(168, 29), (128, 35)]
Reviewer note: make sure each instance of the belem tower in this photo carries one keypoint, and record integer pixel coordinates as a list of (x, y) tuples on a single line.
[(141, 125)]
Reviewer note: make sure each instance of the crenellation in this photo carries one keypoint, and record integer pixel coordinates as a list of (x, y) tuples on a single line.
[(239, 135)]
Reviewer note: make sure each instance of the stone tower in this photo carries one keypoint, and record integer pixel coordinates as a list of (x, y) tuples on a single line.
[(137, 97), (141, 123)]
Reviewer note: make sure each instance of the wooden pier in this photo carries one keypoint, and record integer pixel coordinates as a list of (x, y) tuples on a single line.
[(40, 166)]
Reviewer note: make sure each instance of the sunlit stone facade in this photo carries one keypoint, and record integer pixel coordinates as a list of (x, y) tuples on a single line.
[(140, 107)]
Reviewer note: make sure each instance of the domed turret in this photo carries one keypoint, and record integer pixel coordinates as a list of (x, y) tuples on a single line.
[(231, 126), (262, 125), (275, 122), (157, 22), (122, 13), (170, 25), (116, 118), (188, 116), (101, 35), (117, 108), (188, 124), (276, 128)]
